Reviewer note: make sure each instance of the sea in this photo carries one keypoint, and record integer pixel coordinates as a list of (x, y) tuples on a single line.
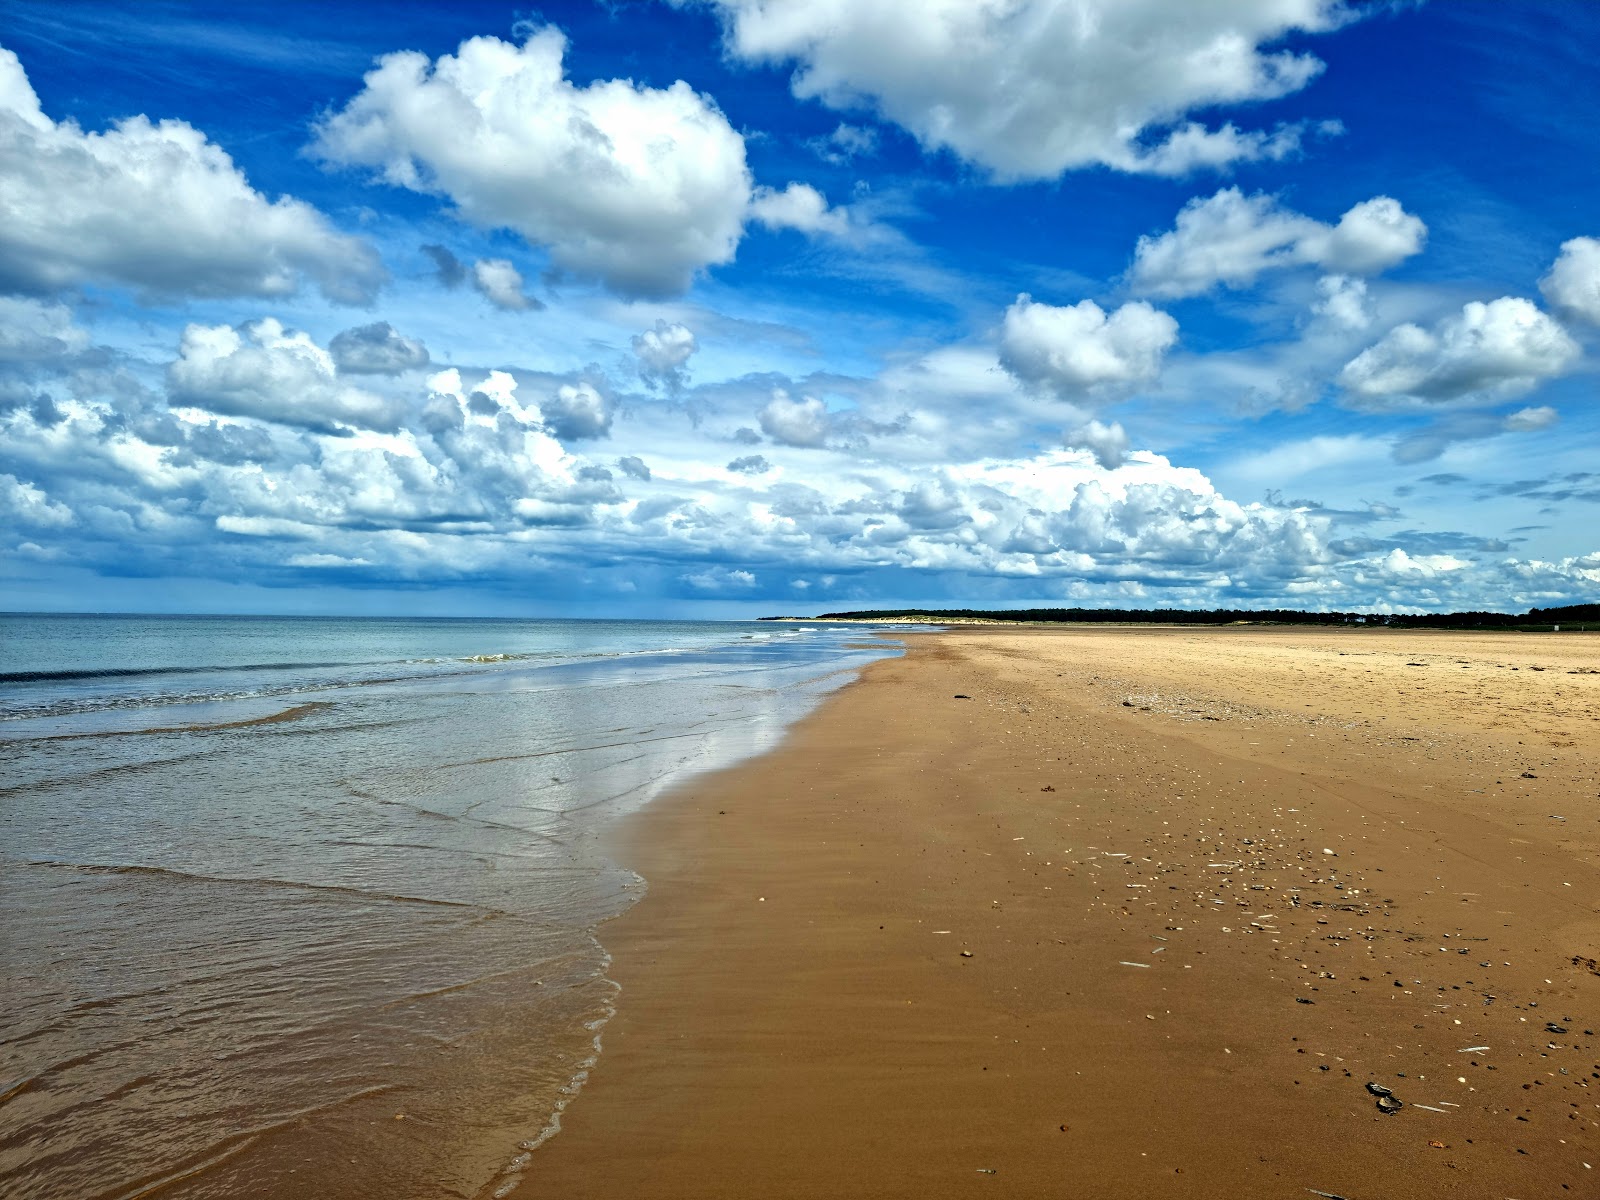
[(314, 907)]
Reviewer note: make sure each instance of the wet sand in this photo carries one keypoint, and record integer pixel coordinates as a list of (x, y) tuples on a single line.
[(1142, 916)]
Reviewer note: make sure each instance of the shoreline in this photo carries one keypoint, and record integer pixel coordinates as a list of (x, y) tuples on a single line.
[(384, 896), (1198, 1012)]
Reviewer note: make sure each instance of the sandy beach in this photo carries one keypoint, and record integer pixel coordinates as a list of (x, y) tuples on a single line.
[(1120, 912)]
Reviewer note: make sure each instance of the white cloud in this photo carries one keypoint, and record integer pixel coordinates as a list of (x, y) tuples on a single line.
[(1081, 349), (957, 374), (802, 422), (664, 352), (1343, 301), (1399, 565), (577, 411), (34, 331), (1293, 460), (1371, 237), (475, 486), (720, 579), (376, 349), (266, 371), (640, 187), (1031, 88), (155, 207), (799, 206), (1499, 349), (1193, 147), (634, 467), (1108, 443), (845, 143), (1530, 420), (1573, 285), (25, 504), (500, 283), (1562, 581), (317, 561), (1231, 238), (928, 471)]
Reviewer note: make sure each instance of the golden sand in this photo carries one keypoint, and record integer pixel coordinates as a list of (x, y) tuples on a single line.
[(1142, 916)]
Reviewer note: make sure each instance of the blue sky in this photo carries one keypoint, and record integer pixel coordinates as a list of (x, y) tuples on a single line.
[(733, 307)]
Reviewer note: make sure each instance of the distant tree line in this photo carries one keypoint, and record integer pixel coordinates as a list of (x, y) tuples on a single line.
[(1574, 616)]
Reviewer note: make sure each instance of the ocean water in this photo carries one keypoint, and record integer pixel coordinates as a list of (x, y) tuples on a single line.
[(308, 907)]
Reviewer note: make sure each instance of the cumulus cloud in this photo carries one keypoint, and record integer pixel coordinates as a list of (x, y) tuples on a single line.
[(477, 486), (33, 331), (802, 422), (1108, 443), (639, 187), (1231, 238), (1399, 565), (500, 284), (27, 505), (1081, 349), (156, 207), (1573, 285), (1371, 237), (663, 353), (1342, 301), (720, 579), (376, 349), (634, 467), (799, 206), (263, 370), (1032, 88), (577, 411), (1503, 348)]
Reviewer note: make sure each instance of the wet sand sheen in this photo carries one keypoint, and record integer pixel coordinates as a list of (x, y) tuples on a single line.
[(341, 944), (1143, 916)]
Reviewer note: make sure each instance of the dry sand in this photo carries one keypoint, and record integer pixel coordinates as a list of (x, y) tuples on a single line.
[(1142, 917)]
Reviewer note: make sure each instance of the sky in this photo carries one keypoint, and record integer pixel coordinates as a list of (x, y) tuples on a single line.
[(726, 308)]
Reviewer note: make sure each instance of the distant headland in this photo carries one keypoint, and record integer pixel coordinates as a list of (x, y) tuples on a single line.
[(1576, 617)]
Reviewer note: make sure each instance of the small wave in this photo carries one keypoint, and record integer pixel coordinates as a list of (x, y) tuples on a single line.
[(234, 1144), (511, 1175), (277, 718), (566, 656), (249, 881), (69, 676), (12, 709), (70, 706), (16, 1088)]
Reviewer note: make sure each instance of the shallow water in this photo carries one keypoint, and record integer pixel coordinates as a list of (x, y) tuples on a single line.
[(307, 907)]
